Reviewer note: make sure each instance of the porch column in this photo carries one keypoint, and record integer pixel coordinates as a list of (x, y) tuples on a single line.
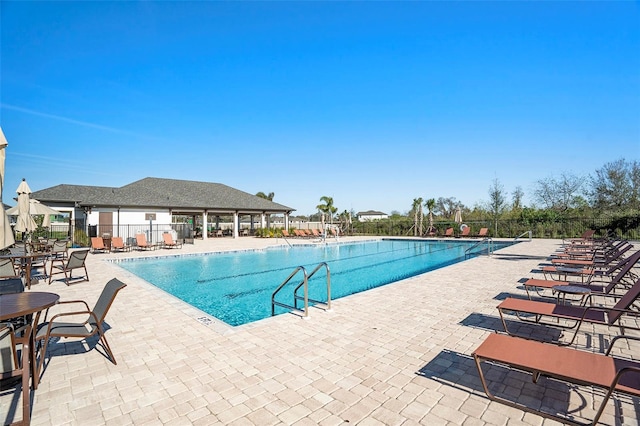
[(286, 221), (263, 220), (236, 224), (204, 225)]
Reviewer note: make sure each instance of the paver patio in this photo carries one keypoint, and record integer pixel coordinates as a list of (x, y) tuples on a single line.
[(395, 355)]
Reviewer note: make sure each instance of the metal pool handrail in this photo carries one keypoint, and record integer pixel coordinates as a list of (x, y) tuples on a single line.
[(524, 233), (487, 240), (316, 269), (305, 282)]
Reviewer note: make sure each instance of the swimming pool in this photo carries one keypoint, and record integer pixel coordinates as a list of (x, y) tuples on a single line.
[(236, 287)]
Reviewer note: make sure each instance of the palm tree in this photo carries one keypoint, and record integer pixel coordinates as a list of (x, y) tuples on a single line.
[(270, 198), (265, 196), (414, 208), (420, 216), (327, 207), (430, 204)]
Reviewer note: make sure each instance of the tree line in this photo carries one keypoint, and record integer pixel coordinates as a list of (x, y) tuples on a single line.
[(610, 192)]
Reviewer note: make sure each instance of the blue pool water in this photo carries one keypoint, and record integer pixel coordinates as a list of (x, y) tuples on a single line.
[(236, 287)]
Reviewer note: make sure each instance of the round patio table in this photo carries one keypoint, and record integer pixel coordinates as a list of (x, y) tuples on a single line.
[(563, 290), (28, 303)]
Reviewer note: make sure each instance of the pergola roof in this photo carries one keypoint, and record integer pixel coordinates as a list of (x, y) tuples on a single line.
[(177, 195)]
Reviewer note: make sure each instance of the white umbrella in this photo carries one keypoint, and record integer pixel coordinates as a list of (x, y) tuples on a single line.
[(25, 222), (6, 235), (36, 208)]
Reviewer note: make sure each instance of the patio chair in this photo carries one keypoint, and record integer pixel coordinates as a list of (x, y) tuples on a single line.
[(465, 231), (533, 311), (448, 232), (97, 245), (142, 244), (168, 241), (483, 233), (7, 269), (76, 260), (118, 245), (572, 366), (17, 365), (285, 233), (92, 325)]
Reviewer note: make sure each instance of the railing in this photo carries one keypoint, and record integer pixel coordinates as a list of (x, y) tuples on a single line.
[(523, 234), (469, 252), (304, 284), (317, 302)]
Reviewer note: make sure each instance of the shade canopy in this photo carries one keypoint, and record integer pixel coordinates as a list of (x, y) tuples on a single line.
[(6, 235), (24, 222), (36, 208)]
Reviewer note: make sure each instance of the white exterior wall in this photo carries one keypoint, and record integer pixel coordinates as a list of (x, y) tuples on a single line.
[(130, 217), (367, 217)]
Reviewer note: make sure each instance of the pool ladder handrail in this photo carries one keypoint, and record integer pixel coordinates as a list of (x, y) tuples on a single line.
[(305, 284), (523, 234), (487, 240), (306, 297)]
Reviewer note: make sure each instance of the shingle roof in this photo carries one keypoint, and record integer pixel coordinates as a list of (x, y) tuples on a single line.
[(160, 193), (371, 213)]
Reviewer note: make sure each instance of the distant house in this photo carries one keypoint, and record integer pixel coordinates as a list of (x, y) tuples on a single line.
[(371, 215), (157, 200)]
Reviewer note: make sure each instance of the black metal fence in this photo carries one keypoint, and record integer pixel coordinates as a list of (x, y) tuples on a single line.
[(80, 234), (627, 227)]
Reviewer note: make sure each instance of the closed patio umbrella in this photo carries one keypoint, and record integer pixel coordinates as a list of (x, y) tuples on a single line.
[(24, 222), (458, 217), (36, 208), (6, 235)]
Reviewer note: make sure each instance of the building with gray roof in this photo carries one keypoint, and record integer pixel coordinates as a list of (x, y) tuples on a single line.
[(160, 200)]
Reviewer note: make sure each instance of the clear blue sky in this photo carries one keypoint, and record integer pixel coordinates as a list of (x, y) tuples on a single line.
[(372, 103)]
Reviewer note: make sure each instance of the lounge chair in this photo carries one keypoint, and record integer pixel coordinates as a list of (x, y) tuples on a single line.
[(76, 260), (92, 325), (567, 365), (118, 245), (168, 241), (624, 275), (219, 233), (594, 259), (583, 268), (97, 245), (465, 231), (285, 233), (432, 231), (13, 365), (141, 243), (587, 236), (483, 233), (534, 311), (448, 232)]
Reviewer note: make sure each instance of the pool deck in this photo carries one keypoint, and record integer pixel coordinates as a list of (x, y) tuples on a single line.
[(395, 355)]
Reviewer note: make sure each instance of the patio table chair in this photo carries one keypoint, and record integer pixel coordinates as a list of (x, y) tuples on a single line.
[(92, 325), (7, 269), (14, 365), (76, 260)]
